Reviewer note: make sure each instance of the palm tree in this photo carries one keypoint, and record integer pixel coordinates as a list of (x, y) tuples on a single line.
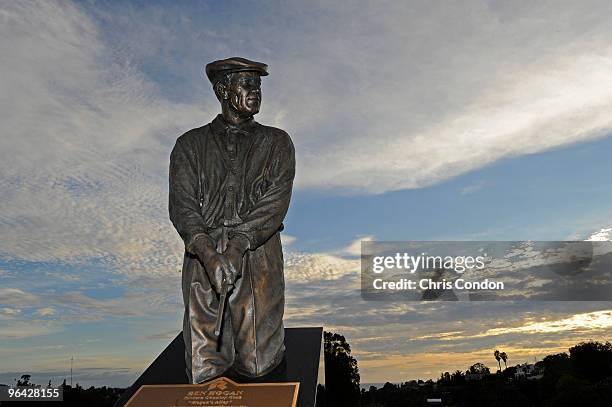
[(497, 356), (503, 356)]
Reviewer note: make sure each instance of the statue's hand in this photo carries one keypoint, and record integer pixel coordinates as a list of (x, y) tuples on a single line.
[(216, 265), (234, 259), (221, 272), (234, 255)]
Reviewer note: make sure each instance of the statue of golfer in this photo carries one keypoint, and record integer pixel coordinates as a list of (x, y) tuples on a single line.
[(230, 187)]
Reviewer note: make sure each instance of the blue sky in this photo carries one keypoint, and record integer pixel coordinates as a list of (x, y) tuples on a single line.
[(556, 195), (414, 121)]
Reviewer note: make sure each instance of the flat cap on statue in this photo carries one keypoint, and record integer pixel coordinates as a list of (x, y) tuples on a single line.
[(216, 69)]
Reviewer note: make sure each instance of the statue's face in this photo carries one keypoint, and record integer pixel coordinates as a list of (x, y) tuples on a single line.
[(244, 93)]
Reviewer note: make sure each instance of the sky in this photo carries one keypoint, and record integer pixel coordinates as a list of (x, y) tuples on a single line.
[(479, 120)]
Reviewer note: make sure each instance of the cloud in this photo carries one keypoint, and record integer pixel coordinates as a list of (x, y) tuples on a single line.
[(583, 323), (601, 236), (433, 92), (166, 335), (10, 311), (467, 94), (45, 312), (85, 147), (160, 297), (354, 248), (17, 297), (305, 267), (287, 240), (16, 329), (474, 187)]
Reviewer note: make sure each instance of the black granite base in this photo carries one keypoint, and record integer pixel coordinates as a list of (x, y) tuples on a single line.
[(301, 364)]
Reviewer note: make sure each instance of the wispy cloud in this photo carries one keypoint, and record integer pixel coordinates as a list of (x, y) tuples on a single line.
[(354, 248), (17, 297), (167, 335), (602, 235), (428, 95), (10, 311), (15, 329), (85, 146), (287, 240), (474, 187), (589, 322), (592, 321), (45, 312)]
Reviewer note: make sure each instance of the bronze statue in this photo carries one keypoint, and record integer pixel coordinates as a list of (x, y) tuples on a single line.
[(230, 186)]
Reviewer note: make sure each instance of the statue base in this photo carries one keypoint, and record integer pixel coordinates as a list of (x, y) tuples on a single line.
[(298, 374)]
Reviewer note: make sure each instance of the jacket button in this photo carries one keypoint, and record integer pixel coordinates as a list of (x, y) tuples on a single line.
[(230, 188)]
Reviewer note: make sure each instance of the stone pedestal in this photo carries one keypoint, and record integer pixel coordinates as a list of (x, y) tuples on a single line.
[(303, 351)]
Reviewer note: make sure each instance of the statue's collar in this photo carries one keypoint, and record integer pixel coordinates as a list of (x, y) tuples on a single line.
[(219, 125)]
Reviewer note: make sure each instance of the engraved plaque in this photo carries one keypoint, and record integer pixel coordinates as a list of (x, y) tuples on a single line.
[(218, 392)]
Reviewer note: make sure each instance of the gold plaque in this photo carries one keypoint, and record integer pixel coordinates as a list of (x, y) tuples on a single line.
[(219, 392)]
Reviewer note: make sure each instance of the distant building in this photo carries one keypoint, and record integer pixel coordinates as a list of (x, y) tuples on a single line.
[(527, 371)]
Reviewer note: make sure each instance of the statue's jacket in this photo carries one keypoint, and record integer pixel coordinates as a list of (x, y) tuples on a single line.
[(240, 179)]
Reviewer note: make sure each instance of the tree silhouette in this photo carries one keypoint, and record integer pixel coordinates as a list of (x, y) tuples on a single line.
[(341, 372), (445, 377), (497, 356), (458, 376), (592, 360), (24, 381), (478, 368)]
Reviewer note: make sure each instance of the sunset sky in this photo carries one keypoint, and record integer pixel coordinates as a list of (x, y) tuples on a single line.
[(476, 120)]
